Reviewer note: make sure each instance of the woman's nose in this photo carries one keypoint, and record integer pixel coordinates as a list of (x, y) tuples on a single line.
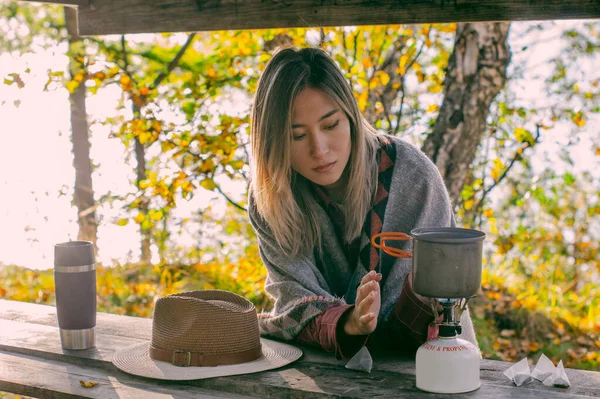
[(319, 146)]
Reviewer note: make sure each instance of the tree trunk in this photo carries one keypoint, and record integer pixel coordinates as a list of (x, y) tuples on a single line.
[(84, 193), (476, 73), (387, 93), (140, 156)]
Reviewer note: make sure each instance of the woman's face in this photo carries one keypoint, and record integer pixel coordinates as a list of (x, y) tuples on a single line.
[(321, 138)]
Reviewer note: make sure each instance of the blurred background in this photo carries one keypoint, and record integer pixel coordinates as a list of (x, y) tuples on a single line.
[(140, 144)]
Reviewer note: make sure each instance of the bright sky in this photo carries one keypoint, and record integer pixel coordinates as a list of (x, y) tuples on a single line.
[(36, 164)]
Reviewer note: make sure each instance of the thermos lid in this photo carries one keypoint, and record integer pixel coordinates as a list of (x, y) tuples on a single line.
[(447, 235), (74, 253)]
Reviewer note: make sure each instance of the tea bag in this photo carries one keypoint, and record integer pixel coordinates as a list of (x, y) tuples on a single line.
[(558, 378), (543, 369), (362, 361), (519, 373)]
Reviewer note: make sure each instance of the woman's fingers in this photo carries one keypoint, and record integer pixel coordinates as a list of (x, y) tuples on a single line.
[(364, 289), (372, 275), (365, 304), (365, 319), (368, 303), (371, 303)]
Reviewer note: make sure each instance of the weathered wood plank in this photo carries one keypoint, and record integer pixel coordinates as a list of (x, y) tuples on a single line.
[(316, 375), (63, 2), (44, 342), (136, 16), (106, 323), (27, 375)]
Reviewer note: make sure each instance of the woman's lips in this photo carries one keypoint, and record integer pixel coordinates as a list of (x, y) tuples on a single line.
[(324, 168)]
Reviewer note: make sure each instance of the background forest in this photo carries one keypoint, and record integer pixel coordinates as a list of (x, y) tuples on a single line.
[(140, 144)]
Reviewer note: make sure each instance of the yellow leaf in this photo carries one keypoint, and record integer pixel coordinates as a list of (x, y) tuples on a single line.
[(208, 184), (156, 215), (125, 80), (435, 88), (144, 137), (384, 78), (139, 217), (598, 151), (144, 183), (488, 213), (367, 63), (144, 91), (362, 100), (87, 384), (576, 87), (433, 108), (264, 57), (78, 77), (469, 204), (157, 125), (207, 166), (497, 170), (578, 119), (533, 347), (237, 164), (72, 86), (523, 135), (448, 28), (122, 222)]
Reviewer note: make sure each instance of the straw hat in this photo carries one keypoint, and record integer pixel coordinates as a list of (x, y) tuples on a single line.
[(204, 334)]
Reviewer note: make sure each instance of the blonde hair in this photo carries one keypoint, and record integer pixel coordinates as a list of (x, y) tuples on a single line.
[(283, 197)]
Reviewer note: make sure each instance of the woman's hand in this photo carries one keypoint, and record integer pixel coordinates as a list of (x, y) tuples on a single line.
[(363, 319)]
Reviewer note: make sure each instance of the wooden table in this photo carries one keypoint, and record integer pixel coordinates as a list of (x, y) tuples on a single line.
[(33, 363)]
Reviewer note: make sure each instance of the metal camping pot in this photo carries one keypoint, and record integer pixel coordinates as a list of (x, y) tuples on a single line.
[(447, 261)]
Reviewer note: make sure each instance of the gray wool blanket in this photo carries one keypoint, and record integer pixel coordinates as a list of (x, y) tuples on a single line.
[(305, 285)]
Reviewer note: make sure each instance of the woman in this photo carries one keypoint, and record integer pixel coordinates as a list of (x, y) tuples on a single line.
[(324, 181)]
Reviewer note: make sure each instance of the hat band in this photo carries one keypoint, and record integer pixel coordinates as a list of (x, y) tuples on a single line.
[(183, 358)]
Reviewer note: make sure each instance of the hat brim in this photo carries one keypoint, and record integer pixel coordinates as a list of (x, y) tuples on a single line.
[(136, 360)]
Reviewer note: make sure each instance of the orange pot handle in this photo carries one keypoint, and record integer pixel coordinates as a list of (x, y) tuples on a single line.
[(391, 236)]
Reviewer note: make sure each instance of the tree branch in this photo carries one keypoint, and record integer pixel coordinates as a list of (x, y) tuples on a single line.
[(232, 202), (355, 49), (399, 114), (518, 155), (174, 61), (125, 67)]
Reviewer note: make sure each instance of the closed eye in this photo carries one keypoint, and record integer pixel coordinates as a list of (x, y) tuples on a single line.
[(299, 137), (334, 125)]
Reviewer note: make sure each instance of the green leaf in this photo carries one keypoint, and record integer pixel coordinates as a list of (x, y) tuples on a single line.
[(146, 225), (189, 107), (569, 179)]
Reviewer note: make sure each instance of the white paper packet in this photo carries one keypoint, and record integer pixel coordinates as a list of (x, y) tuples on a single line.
[(519, 373), (362, 361), (543, 369), (558, 378)]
